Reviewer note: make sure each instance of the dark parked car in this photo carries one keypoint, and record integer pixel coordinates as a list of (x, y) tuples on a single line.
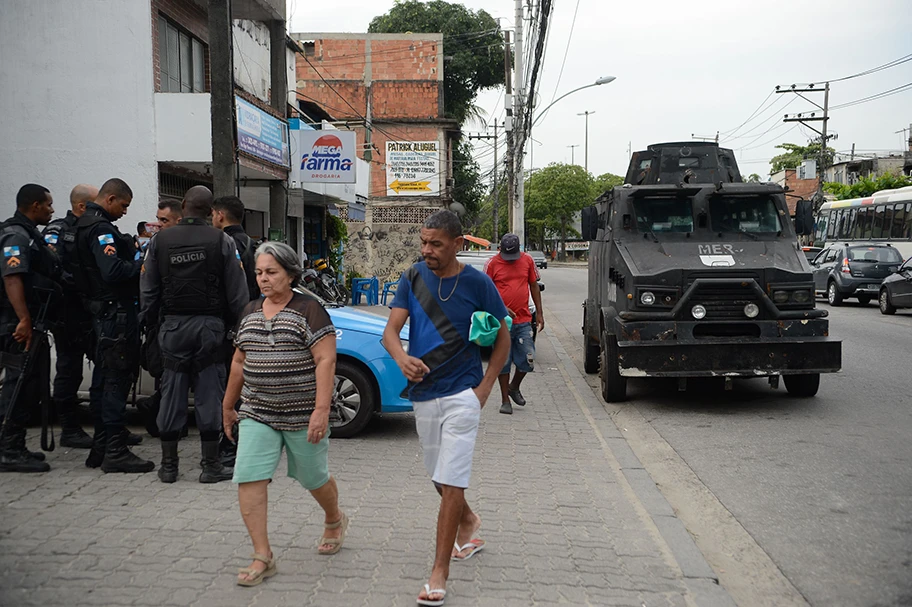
[(811, 252), (853, 270), (540, 260), (896, 290)]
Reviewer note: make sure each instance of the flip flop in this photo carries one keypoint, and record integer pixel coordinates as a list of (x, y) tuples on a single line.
[(476, 546), (428, 592), (335, 542)]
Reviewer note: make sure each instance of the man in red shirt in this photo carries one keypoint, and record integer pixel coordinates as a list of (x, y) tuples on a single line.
[(515, 276)]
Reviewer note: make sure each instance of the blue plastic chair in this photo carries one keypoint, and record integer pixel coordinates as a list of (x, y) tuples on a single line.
[(389, 288), (369, 287)]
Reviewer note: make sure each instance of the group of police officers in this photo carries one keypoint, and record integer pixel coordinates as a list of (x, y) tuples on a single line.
[(97, 291)]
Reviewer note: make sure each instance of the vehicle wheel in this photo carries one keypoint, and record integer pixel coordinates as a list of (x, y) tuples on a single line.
[(884, 300), (343, 294), (834, 298), (614, 385), (802, 386), (864, 299), (353, 400), (591, 354)]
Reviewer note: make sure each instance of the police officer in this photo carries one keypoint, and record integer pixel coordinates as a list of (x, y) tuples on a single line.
[(193, 280), (73, 335), (105, 265), (30, 270), (227, 213)]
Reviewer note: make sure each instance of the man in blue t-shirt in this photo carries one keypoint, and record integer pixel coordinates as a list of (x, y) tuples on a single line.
[(445, 381)]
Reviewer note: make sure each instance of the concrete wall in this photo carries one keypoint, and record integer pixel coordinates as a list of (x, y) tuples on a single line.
[(389, 251), (251, 57), (76, 104), (183, 128)]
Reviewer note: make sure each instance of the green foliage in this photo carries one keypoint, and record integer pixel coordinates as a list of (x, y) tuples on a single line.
[(794, 154), (752, 178), (469, 188), (472, 45), (867, 186), (555, 194), (337, 234), (605, 182)]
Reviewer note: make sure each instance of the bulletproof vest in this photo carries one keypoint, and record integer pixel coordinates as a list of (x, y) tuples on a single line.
[(52, 236), (44, 267), (80, 262), (191, 265)]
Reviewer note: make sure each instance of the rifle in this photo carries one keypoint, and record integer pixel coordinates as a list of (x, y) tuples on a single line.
[(24, 363)]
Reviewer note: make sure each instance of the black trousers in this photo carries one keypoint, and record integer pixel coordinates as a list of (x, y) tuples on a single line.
[(30, 395), (116, 360), (73, 341)]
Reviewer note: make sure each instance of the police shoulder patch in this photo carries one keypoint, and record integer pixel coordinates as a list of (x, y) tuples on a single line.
[(10, 251), (51, 238), (105, 239)]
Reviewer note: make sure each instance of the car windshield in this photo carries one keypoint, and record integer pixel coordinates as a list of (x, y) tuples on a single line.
[(536, 254), (754, 215), (875, 254), (664, 215)]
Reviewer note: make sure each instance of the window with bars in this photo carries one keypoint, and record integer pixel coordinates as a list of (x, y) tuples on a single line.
[(182, 59)]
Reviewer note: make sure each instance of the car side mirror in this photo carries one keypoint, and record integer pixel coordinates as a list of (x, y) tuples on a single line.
[(589, 221)]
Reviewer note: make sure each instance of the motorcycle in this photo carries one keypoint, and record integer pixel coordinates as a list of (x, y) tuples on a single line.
[(320, 279)]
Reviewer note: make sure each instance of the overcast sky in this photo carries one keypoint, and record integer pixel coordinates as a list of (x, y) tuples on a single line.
[(696, 67)]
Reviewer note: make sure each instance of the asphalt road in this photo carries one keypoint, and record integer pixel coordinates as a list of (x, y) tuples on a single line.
[(823, 485)]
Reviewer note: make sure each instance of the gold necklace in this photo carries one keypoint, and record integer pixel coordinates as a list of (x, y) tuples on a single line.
[(440, 296)]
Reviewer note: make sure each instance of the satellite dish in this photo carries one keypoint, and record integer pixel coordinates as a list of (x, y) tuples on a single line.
[(457, 208)]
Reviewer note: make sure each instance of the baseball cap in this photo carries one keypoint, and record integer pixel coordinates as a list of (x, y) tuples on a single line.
[(509, 247)]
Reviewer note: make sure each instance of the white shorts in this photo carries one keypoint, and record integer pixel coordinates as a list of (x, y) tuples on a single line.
[(447, 428)]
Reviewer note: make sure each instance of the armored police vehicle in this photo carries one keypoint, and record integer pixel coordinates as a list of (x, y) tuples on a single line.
[(693, 273)]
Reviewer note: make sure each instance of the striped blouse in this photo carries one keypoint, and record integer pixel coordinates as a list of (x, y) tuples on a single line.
[(280, 383)]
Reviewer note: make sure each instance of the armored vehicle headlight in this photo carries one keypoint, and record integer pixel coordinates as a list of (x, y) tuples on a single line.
[(801, 296), (751, 310), (698, 311), (780, 296), (647, 298)]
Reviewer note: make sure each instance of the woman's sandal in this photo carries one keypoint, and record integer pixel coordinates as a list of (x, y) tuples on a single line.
[(255, 577), (335, 542)]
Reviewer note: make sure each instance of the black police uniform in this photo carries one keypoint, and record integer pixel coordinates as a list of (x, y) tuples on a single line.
[(246, 249), (105, 265), (25, 254), (74, 340), (192, 279)]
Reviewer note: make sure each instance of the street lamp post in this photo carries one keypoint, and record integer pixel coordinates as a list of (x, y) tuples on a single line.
[(572, 150), (586, 114), (519, 216)]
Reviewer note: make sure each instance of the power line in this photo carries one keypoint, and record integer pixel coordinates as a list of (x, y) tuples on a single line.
[(778, 125), (735, 130), (767, 120), (566, 51), (894, 91), (873, 70)]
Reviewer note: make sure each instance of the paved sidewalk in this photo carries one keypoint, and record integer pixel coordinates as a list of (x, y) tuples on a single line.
[(569, 519)]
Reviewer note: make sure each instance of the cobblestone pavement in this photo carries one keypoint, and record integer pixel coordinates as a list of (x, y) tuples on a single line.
[(568, 517)]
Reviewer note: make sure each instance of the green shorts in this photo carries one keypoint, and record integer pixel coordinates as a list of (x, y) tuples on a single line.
[(260, 447)]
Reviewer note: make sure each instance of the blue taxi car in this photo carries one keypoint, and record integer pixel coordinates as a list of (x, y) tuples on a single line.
[(368, 380)]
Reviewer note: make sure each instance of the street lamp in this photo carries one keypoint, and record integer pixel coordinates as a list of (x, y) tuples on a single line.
[(599, 82)]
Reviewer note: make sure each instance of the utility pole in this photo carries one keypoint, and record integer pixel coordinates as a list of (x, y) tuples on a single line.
[(496, 201), (903, 131), (804, 119), (572, 155), (586, 161), (221, 78), (519, 208), (508, 127)]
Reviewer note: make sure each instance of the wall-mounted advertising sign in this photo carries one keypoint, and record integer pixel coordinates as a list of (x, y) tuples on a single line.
[(261, 134), (412, 168), (325, 157)]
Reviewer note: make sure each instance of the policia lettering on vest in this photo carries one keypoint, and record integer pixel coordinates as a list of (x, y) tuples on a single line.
[(30, 296), (192, 287), (105, 265)]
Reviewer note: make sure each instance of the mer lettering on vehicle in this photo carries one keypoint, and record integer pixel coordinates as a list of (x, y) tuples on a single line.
[(716, 249)]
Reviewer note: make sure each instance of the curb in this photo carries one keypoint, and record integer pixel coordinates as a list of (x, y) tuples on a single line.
[(699, 576)]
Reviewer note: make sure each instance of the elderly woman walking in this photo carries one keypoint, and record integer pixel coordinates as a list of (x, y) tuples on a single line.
[(283, 370)]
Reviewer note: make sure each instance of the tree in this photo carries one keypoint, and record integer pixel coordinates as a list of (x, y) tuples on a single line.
[(472, 48), (468, 187), (555, 194), (752, 178), (794, 154), (605, 182), (866, 186)]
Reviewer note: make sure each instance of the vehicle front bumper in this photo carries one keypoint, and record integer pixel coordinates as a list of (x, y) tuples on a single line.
[(783, 347)]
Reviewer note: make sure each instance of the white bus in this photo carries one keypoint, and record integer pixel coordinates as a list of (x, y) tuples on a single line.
[(884, 217)]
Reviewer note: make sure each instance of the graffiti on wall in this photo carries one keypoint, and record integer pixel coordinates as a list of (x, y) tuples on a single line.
[(384, 250)]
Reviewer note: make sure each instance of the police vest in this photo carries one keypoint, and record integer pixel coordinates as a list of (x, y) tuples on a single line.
[(80, 262), (44, 269), (191, 265), (52, 234)]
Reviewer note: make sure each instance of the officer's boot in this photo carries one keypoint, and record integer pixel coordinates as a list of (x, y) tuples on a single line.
[(167, 472), (71, 433), (213, 470), (118, 457), (131, 439), (99, 442), (14, 457)]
